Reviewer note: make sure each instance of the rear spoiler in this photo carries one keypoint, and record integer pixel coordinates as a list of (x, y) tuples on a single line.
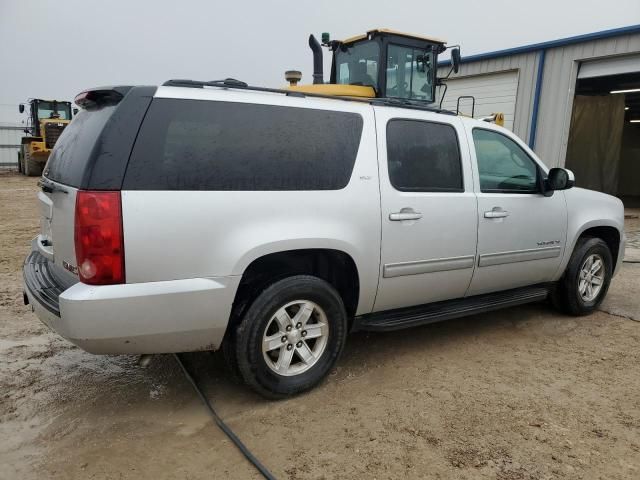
[(94, 98)]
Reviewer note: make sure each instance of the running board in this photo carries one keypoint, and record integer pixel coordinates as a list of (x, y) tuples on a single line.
[(448, 309)]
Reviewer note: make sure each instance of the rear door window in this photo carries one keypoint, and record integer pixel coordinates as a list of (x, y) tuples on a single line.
[(423, 156), (208, 145)]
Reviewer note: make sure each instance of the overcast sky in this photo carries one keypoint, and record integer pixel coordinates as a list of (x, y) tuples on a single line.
[(56, 48)]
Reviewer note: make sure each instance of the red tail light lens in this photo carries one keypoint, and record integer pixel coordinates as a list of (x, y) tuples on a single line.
[(98, 237)]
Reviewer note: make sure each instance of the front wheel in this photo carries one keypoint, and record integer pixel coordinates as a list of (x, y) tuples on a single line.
[(32, 167), (586, 280), (290, 337)]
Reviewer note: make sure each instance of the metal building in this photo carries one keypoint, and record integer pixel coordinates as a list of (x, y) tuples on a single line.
[(10, 135), (560, 97)]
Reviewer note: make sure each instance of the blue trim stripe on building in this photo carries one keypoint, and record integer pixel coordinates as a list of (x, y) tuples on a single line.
[(536, 99), (614, 32)]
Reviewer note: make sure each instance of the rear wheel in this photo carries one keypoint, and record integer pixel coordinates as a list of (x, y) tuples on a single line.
[(586, 280), (32, 167), (290, 337)]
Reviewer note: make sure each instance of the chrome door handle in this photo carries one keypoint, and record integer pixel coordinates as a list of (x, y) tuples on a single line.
[(496, 213), (405, 215)]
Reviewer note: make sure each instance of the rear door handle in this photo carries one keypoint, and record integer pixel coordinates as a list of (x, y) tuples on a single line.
[(497, 212), (405, 214)]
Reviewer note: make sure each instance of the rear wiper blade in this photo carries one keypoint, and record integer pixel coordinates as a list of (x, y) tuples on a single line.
[(48, 186)]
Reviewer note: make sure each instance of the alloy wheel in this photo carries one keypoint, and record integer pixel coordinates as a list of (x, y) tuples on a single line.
[(295, 338), (591, 277)]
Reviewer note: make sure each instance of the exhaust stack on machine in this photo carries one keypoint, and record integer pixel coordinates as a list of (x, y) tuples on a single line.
[(317, 59)]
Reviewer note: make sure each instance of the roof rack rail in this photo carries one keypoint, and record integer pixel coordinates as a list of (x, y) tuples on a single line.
[(227, 82), (233, 83), (402, 103), (240, 85)]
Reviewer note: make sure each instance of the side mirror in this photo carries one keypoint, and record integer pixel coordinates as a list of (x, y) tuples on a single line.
[(455, 59), (559, 179), (75, 111), (421, 63), (21, 108)]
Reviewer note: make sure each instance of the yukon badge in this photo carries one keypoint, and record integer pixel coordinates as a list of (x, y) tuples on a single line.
[(549, 242)]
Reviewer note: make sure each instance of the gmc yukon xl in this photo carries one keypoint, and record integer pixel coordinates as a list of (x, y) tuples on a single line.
[(183, 218)]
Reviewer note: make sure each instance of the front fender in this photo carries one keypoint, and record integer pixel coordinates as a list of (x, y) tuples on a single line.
[(588, 209)]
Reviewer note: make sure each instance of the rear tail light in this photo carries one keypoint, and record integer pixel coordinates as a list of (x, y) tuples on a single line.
[(99, 238)]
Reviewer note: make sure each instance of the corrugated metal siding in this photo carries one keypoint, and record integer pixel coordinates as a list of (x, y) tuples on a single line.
[(493, 92), (526, 65), (10, 135), (558, 89)]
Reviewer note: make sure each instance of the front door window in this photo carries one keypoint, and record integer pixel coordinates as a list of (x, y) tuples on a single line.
[(503, 165)]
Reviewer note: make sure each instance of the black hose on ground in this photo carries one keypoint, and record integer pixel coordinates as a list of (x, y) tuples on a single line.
[(223, 426)]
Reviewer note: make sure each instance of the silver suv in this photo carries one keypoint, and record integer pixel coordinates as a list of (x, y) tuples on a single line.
[(270, 224)]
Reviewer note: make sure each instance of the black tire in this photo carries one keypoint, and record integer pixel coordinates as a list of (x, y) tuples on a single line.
[(229, 356), (244, 345), (566, 296), (32, 167)]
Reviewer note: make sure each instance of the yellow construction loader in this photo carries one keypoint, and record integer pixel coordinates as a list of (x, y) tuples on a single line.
[(47, 120), (384, 64)]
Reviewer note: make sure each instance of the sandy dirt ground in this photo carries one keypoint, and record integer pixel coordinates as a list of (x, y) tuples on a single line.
[(519, 394)]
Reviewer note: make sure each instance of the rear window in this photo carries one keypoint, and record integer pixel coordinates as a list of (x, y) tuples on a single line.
[(206, 145), (68, 160)]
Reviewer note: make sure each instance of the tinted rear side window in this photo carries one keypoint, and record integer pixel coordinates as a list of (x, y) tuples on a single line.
[(68, 161), (423, 157), (206, 145)]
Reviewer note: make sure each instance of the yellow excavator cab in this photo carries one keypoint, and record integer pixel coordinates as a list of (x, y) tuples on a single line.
[(381, 63), (399, 67)]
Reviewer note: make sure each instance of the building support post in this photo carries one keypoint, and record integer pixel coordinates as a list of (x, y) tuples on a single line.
[(536, 99)]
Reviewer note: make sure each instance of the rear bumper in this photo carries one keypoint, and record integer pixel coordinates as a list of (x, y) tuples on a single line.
[(43, 284), (156, 317)]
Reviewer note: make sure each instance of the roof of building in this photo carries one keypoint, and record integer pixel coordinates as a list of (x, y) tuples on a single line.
[(614, 32)]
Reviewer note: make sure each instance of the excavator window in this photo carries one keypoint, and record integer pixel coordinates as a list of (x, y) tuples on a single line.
[(409, 73), (46, 110), (357, 64)]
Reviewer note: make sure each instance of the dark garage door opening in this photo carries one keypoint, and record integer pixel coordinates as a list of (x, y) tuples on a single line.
[(604, 138)]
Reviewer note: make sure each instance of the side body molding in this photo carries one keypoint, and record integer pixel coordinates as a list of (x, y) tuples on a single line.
[(400, 269), (515, 256)]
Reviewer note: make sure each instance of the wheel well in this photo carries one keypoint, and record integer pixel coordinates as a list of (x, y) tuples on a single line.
[(609, 235), (333, 266)]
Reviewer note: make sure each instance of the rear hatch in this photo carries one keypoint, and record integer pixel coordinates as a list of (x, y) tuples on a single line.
[(91, 154)]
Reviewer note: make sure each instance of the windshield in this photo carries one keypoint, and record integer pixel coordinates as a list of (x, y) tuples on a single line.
[(410, 73), (357, 64), (45, 110)]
